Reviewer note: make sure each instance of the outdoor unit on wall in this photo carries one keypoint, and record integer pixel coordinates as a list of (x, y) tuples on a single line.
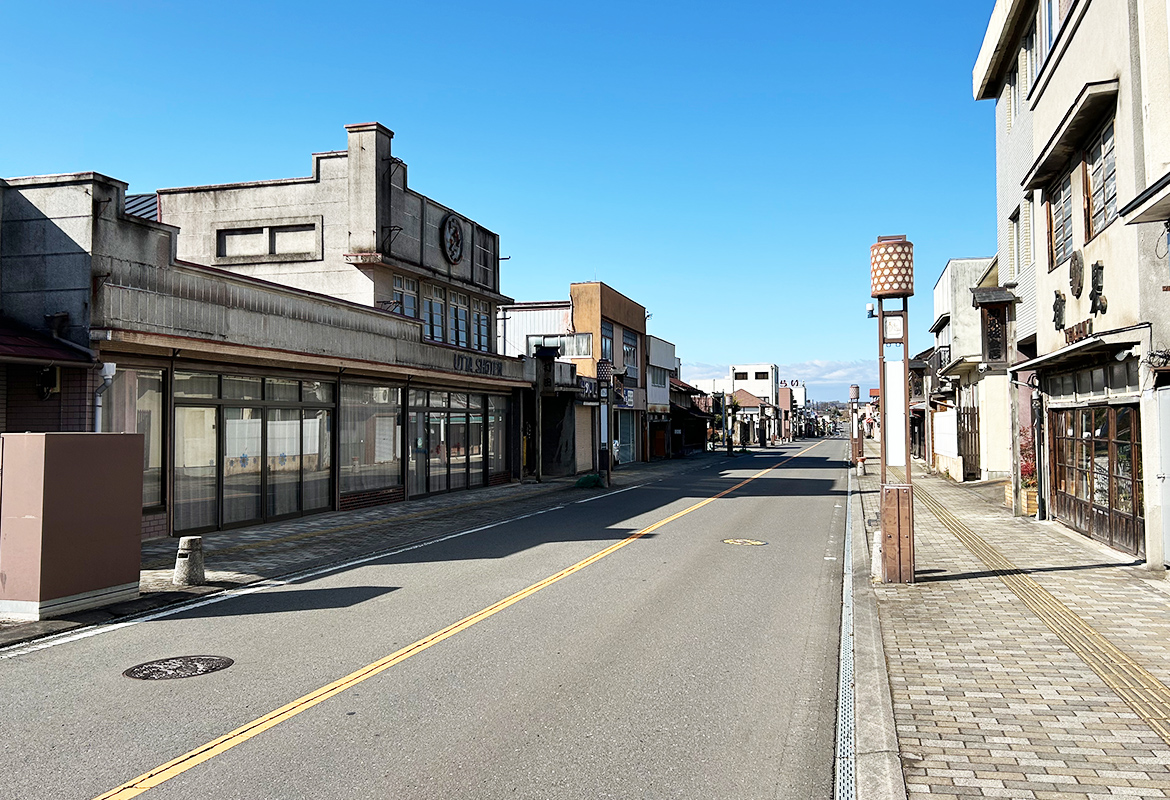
[(48, 382)]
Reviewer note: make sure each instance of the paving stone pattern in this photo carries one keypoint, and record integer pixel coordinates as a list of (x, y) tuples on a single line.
[(988, 701)]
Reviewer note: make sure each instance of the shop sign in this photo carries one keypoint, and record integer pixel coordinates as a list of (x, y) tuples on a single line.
[(1082, 330), (479, 366), (588, 387)]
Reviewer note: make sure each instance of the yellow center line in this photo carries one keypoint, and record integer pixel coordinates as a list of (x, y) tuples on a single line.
[(193, 758)]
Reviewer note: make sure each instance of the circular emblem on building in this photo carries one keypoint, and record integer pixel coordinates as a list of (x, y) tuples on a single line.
[(451, 236)]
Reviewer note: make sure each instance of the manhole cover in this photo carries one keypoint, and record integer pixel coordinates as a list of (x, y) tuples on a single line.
[(178, 667), (749, 542)]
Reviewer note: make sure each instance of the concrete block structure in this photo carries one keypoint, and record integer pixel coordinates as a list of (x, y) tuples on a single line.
[(1083, 148), (322, 363)]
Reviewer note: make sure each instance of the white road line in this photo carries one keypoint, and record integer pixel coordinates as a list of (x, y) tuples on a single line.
[(109, 627), (609, 494)]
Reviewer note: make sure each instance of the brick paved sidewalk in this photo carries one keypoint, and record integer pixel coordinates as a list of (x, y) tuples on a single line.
[(1027, 661), (246, 555)]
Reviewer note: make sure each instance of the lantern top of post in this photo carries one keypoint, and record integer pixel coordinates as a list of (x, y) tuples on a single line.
[(854, 392), (891, 267)]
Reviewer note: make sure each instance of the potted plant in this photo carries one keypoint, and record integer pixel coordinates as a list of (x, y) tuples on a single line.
[(1028, 481)]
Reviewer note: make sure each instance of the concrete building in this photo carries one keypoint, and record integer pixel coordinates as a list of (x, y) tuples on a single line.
[(1085, 82), (761, 381), (586, 328), (969, 400), (257, 401)]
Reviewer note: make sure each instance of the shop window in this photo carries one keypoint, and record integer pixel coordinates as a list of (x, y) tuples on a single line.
[(370, 445), (497, 435), (282, 390), (236, 387), (134, 404), (196, 385)]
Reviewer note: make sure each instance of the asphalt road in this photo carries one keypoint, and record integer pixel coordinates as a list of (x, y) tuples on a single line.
[(673, 666)]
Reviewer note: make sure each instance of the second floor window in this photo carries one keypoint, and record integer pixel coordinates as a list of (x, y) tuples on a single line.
[(739, 376), (460, 326), (1102, 189), (607, 340), (1060, 221), (481, 325), (630, 352), (658, 376), (433, 314), (405, 296)]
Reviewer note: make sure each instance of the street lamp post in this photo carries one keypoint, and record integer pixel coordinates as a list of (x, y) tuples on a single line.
[(892, 278), (604, 396)]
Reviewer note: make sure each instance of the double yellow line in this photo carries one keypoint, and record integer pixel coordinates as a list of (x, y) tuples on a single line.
[(178, 766)]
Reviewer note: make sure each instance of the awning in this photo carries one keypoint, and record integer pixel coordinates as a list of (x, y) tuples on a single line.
[(21, 346), (1091, 107), (675, 408), (1152, 205), (941, 322), (1094, 344), (961, 364), (991, 296)]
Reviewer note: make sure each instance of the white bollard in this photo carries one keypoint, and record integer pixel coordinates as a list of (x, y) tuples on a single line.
[(189, 562), (861, 466)]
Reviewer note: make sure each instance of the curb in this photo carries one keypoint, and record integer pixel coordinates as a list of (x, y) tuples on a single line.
[(879, 765)]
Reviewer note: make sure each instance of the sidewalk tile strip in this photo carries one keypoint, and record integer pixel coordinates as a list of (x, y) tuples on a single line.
[(983, 685)]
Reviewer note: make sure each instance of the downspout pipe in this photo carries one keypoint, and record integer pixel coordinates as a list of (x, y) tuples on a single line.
[(107, 372)]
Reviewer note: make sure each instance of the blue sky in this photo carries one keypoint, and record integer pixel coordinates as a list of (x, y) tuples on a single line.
[(726, 165)]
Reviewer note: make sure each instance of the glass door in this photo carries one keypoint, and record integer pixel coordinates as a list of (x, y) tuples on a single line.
[(242, 462), (283, 444), (317, 438), (196, 457), (437, 454), (416, 430), (457, 435)]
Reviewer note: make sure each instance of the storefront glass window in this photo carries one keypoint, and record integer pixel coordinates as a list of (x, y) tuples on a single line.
[(457, 433), (316, 392), (475, 443), (134, 404), (196, 385), (370, 443), (236, 387), (242, 461), (317, 458), (283, 443), (497, 435), (196, 504), (282, 390)]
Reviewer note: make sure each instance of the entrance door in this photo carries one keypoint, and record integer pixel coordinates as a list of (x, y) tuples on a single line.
[(317, 459), (283, 443), (969, 443), (437, 442), (416, 430), (242, 461), (196, 457)]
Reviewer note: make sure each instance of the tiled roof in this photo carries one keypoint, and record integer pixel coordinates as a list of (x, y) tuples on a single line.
[(20, 345)]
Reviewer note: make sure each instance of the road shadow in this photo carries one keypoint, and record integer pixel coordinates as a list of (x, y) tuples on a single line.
[(938, 575), (282, 601)]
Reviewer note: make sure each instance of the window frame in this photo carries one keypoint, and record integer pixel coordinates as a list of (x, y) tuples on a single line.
[(1064, 196), (434, 314), (459, 319), (1089, 167)]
